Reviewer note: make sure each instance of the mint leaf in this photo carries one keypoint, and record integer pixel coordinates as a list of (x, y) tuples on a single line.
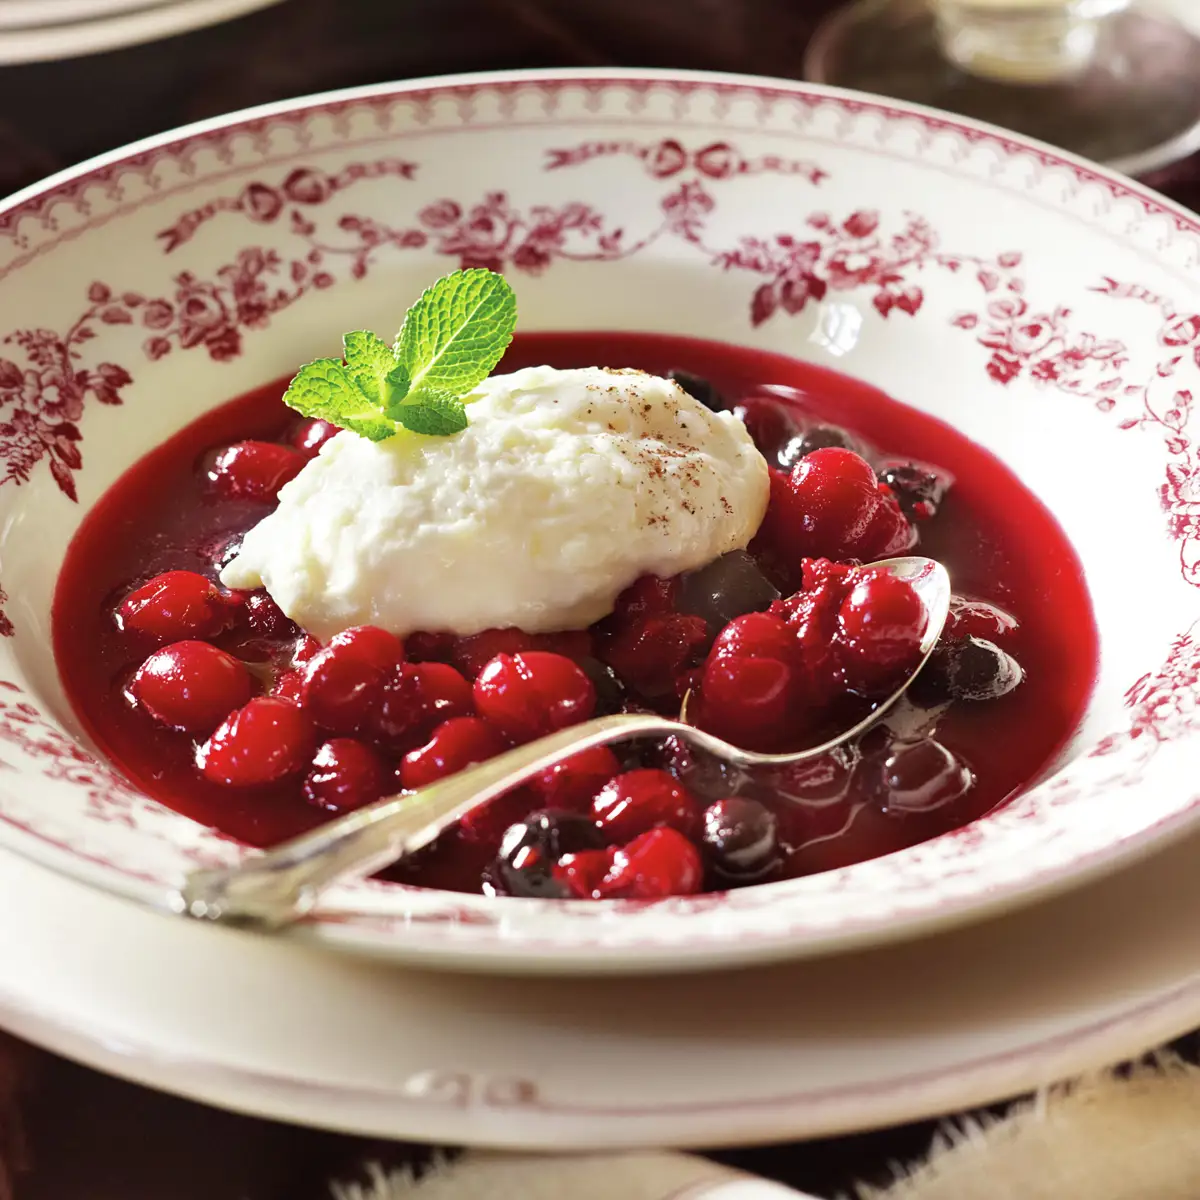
[(457, 331), (369, 359), (435, 414), (324, 389)]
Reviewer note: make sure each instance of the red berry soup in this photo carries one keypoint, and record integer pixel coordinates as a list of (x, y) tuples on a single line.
[(218, 704)]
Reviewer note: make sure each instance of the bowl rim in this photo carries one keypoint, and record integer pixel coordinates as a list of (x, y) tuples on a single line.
[(373, 933)]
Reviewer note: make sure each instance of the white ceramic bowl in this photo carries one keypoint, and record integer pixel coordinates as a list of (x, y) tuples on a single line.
[(1047, 308)]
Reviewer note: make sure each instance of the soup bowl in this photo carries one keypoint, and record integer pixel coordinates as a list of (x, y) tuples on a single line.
[(1044, 307)]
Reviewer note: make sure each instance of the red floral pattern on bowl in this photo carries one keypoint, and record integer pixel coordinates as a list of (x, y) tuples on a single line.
[(1045, 307)]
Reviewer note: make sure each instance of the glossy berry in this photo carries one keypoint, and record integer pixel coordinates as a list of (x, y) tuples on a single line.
[(343, 683), (817, 437), (880, 624), (636, 801), (574, 782), (755, 635), (699, 388), (415, 698), (740, 839), (656, 864), (453, 745), (309, 436), (726, 588), (582, 874), (832, 506), (175, 605), (253, 470), (649, 651), (531, 850), (471, 654), (266, 618), (191, 686), (966, 669), (262, 742), (345, 775), (922, 776), (533, 693), (748, 701), (918, 490)]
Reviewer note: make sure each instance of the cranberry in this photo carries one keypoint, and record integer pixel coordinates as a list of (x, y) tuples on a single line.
[(343, 682), (650, 651), (191, 686), (769, 423), (648, 594), (661, 862), (253, 470), (922, 776), (755, 635), (880, 625), (471, 654), (582, 874), (740, 839), (454, 744), (266, 618), (573, 783), (832, 506), (966, 669), (264, 741), (288, 685), (918, 490), (416, 697), (749, 701), (640, 800), (487, 824), (175, 605), (345, 775), (533, 693), (811, 615), (726, 588), (531, 851), (309, 436), (699, 388), (817, 437)]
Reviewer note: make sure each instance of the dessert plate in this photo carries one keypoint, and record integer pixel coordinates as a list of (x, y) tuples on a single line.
[(820, 1047), (1047, 308)]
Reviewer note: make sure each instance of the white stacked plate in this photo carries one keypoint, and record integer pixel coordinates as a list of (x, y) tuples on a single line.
[(45, 30), (1054, 934)]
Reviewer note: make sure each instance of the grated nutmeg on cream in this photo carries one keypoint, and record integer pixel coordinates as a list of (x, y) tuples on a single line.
[(564, 488)]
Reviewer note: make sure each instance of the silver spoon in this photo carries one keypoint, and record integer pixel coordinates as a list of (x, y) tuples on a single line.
[(273, 889)]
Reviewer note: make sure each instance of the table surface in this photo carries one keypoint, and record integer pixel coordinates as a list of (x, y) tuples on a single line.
[(85, 1135)]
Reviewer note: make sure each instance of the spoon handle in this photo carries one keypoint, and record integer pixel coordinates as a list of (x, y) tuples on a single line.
[(277, 887)]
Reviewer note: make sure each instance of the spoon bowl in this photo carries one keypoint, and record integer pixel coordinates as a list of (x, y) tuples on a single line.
[(275, 888)]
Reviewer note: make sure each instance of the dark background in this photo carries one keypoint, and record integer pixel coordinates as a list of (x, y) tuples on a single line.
[(91, 1138)]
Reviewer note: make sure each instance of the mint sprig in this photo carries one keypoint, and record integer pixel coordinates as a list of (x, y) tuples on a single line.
[(449, 342)]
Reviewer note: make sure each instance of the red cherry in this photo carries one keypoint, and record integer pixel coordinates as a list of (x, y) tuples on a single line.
[(191, 686), (533, 693), (748, 701), (453, 745), (879, 628), (309, 436), (659, 863), (175, 605), (253, 470), (343, 683), (755, 635), (574, 782), (636, 801), (416, 697), (260, 743), (345, 775)]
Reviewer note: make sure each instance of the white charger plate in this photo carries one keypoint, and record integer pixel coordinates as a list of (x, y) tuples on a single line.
[(820, 1047), (39, 32)]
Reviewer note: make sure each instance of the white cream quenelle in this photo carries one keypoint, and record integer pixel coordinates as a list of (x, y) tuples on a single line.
[(564, 488)]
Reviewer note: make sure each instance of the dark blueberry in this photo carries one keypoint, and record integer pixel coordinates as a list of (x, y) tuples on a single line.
[(727, 587), (740, 839), (919, 777), (816, 437), (530, 849), (610, 691), (699, 388), (966, 669), (919, 490)]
